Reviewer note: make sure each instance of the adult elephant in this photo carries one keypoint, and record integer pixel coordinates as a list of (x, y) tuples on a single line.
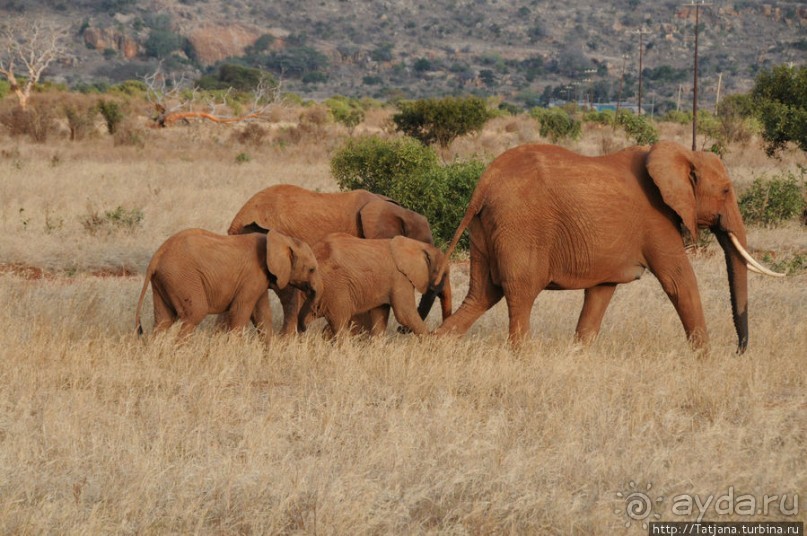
[(310, 216), (542, 217)]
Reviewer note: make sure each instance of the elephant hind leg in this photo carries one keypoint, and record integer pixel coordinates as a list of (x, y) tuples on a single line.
[(164, 314), (594, 305), (520, 295)]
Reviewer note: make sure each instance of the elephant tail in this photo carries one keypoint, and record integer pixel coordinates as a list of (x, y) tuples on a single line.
[(149, 274), (474, 207)]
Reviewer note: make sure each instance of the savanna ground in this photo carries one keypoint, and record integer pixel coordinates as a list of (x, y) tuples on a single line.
[(102, 432)]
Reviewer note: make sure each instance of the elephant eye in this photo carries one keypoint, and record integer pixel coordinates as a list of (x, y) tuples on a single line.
[(693, 177), (312, 270)]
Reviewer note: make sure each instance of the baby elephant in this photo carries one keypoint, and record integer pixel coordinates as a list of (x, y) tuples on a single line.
[(372, 275), (196, 273)]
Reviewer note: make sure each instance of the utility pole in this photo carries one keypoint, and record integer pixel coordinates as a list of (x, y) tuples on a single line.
[(717, 98), (641, 33), (695, 74)]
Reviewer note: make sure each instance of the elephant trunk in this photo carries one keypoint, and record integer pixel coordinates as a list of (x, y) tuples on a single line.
[(738, 276), (443, 291), (426, 302), (445, 297)]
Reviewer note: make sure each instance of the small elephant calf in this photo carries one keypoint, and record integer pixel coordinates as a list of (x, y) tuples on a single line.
[(196, 273), (372, 275)]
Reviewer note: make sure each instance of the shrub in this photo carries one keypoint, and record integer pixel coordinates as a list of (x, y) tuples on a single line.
[(252, 134), (37, 122), (236, 77), (160, 43), (5, 88), (410, 173), (637, 127), (349, 112), (556, 124), (791, 264), (678, 117), (441, 194), (781, 98), (441, 120), (770, 202), (113, 115), (375, 164), (119, 219), (80, 116)]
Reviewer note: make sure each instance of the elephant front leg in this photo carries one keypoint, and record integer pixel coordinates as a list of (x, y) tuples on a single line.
[(405, 309), (681, 286), (594, 305), (290, 299)]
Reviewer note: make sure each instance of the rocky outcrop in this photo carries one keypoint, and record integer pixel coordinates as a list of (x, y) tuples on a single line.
[(108, 38), (214, 42)]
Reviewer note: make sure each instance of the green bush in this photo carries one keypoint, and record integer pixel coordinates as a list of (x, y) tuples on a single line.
[(161, 43), (236, 77), (113, 115), (410, 173), (638, 127), (556, 124), (781, 102), (441, 194), (5, 88), (771, 202), (678, 117), (374, 163), (349, 112), (441, 120)]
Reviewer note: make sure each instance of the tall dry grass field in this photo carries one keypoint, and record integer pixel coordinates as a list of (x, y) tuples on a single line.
[(102, 432)]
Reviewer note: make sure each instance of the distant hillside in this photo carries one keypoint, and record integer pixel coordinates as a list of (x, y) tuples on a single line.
[(526, 51)]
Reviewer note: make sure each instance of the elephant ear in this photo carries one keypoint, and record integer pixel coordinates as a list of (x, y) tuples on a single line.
[(381, 219), (412, 260), (279, 257), (670, 166)]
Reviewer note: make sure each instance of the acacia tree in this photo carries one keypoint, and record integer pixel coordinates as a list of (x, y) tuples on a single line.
[(31, 47), (441, 120)]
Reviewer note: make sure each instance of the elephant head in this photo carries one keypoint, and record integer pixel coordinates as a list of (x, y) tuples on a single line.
[(420, 263), (292, 262), (384, 218), (697, 187)]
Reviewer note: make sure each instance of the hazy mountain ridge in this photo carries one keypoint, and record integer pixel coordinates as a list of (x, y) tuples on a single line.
[(415, 48)]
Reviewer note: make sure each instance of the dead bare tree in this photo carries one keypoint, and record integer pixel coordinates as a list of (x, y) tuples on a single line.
[(177, 100), (30, 46)]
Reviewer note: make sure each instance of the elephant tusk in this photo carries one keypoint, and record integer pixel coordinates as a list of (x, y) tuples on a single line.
[(752, 263)]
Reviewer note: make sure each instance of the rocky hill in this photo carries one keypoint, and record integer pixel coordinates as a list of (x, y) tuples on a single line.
[(522, 50)]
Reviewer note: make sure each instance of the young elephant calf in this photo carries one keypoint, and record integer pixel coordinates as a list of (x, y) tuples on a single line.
[(372, 275), (196, 273)]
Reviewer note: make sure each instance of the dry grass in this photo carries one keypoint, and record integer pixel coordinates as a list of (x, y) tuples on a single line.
[(103, 433)]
